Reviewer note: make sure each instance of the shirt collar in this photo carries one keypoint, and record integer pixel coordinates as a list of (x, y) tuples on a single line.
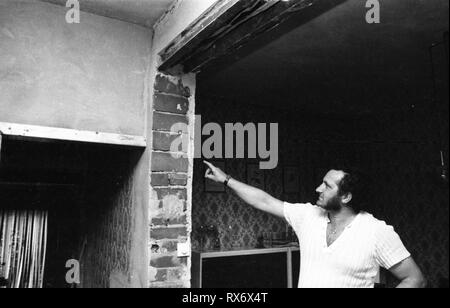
[(327, 219)]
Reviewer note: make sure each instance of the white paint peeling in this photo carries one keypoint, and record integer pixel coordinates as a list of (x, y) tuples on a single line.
[(172, 207), (154, 203), (173, 79), (152, 271), (163, 19), (176, 19)]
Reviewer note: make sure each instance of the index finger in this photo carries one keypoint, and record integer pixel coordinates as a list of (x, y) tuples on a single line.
[(209, 164)]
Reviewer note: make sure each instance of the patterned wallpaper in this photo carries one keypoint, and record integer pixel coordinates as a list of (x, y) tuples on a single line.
[(107, 226), (416, 202), (239, 225), (396, 151), (108, 240)]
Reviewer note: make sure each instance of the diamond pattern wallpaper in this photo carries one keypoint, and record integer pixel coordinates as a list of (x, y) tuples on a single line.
[(238, 224), (415, 201)]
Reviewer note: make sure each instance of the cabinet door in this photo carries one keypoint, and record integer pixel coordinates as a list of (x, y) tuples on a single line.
[(250, 271)]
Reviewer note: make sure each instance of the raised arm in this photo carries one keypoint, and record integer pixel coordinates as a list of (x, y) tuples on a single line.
[(251, 195)]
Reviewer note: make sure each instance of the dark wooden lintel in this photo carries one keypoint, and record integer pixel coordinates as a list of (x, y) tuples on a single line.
[(244, 34), (201, 29), (225, 28)]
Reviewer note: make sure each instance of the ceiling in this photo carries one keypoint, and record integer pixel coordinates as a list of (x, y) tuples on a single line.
[(330, 62), (142, 12), (336, 62)]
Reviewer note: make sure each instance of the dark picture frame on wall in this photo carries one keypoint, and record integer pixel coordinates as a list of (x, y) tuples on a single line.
[(255, 176), (211, 186), (291, 179)]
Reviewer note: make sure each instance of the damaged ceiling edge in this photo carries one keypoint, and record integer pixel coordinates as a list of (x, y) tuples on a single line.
[(223, 29), (252, 28), (198, 30), (173, 7)]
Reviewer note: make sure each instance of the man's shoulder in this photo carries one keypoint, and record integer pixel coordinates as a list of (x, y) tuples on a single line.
[(305, 207), (371, 222), (300, 204)]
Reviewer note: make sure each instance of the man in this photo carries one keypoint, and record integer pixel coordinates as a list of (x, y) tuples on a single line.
[(341, 246)]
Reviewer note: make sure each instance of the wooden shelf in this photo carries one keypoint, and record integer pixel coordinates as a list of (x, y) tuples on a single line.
[(53, 133), (245, 252)]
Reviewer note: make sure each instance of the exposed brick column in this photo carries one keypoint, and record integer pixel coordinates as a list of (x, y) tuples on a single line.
[(171, 183)]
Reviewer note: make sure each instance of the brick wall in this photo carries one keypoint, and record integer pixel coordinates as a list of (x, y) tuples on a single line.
[(171, 171)]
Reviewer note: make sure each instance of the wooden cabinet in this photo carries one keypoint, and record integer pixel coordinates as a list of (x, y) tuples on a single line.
[(254, 268)]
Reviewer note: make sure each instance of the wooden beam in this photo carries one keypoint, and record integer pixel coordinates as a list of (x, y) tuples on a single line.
[(224, 29), (254, 27), (53, 133), (201, 29)]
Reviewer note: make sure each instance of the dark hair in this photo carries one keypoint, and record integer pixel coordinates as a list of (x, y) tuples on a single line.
[(353, 182)]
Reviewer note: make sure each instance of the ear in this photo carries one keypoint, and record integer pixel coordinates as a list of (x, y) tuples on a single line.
[(346, 198)]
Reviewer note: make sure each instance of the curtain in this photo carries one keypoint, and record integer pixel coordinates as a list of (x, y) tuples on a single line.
[(23, 241)]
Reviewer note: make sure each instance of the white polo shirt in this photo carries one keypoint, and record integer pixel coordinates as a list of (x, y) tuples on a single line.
[(353, 260)]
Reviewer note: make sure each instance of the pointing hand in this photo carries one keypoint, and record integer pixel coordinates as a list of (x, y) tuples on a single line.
[(215, 174)]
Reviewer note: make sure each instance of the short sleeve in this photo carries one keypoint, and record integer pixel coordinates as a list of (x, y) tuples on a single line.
[(295, 213), (389, 248)]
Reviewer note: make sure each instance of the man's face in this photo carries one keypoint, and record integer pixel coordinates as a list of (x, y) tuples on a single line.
[(328, 191)]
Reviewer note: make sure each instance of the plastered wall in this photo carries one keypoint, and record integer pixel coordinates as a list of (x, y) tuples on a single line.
[(87, 76)]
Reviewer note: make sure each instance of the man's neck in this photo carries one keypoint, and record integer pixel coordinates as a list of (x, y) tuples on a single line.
[(343, 215)]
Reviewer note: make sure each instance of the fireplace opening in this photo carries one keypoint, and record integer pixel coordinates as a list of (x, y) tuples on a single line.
[(61, 202)]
